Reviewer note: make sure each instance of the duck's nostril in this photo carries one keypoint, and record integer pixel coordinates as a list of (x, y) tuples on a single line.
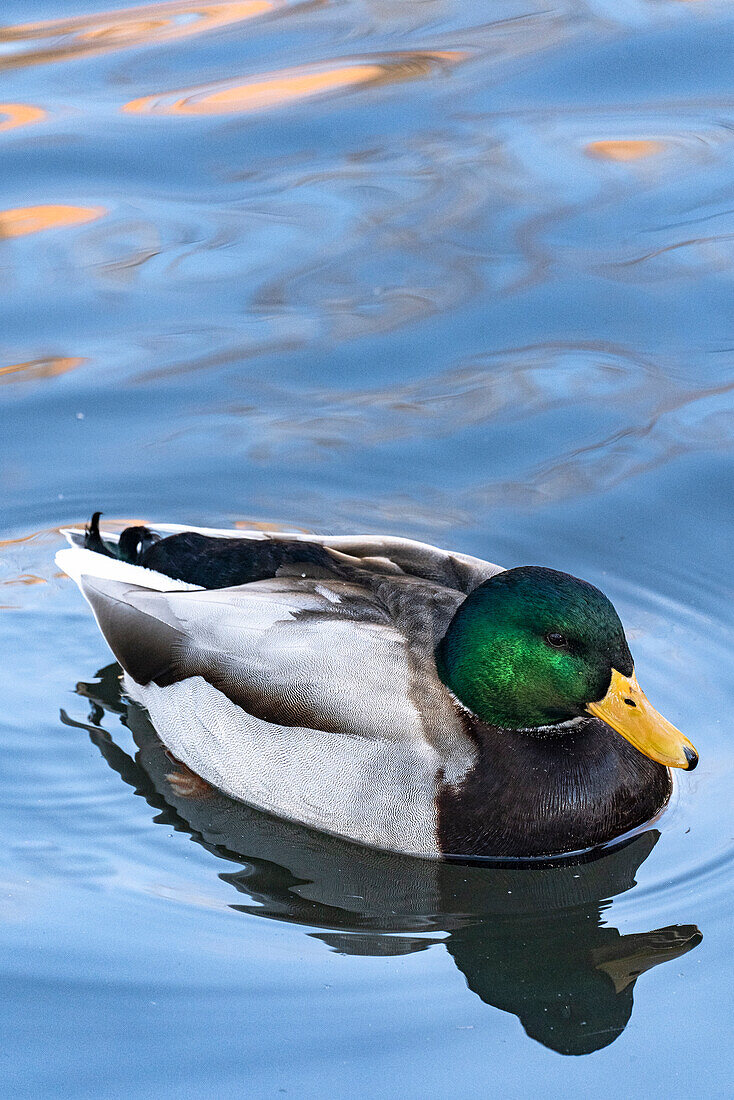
[(630, 702)]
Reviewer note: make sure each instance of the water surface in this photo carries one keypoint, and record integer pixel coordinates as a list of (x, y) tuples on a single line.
[(460, 272)]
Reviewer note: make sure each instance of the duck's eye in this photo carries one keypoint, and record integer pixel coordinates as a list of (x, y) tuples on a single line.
[(558, 641)]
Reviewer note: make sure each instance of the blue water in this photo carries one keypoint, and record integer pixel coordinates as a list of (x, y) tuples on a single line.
[(462, 272)]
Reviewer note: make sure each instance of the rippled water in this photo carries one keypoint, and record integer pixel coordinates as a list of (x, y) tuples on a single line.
[(457, 271)]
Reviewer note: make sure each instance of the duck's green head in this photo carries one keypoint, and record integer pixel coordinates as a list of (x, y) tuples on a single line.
[(531, 649)]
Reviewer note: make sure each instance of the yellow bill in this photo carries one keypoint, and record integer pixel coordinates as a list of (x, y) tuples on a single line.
[(626, 709)]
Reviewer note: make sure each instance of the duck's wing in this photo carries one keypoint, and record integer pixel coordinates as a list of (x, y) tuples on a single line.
[(299, 696), (381, 553), (417, 559)]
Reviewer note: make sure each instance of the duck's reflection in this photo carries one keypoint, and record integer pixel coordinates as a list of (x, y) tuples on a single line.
[(528, 940)]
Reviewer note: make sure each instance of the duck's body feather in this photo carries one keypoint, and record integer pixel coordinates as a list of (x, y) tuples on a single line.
[(314, 694)]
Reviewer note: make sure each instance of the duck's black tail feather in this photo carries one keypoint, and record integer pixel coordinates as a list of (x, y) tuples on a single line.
[(206, 560), (94, 541), (213, 562), (134, 541)]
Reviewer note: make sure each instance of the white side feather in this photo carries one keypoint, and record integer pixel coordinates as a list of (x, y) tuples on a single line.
[(78, 563)]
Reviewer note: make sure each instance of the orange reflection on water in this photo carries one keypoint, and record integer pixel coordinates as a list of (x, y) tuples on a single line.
[(39, 368), (24, 220), (290, 85), (61, 39), (19, 114), (625, 149)]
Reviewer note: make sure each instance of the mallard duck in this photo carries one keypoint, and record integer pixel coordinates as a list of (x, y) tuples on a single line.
[(383, 690)]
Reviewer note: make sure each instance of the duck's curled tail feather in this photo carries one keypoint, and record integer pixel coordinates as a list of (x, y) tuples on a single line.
[(131, 547)]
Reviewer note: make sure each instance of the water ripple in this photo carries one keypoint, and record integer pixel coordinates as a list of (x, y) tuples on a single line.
[(102, 32), (306, 82)]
